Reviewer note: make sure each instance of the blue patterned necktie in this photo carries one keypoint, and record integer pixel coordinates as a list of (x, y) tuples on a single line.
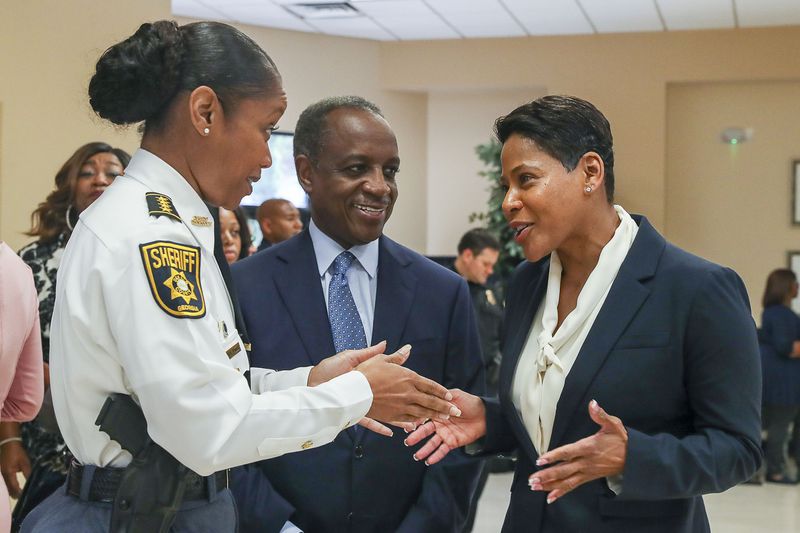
[(346, 326)]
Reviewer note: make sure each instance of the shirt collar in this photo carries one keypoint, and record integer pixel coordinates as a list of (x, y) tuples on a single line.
[(158, 176), (326, 250)]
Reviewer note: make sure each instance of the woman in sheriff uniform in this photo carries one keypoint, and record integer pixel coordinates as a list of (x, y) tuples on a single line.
[(142, 307)]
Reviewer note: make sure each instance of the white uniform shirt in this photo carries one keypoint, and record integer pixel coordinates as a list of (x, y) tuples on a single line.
[(111, 334)]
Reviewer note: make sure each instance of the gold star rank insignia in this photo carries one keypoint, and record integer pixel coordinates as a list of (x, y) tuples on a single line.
[(173, 273)]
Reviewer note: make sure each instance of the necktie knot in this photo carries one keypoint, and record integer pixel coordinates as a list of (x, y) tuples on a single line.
[(342, 263)]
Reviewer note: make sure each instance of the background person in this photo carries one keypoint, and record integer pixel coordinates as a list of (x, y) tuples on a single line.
[(235, 234), (21, 374), (779, 341), (279, 220), (42, 456), (608, 317), (140, 313), (344, 284)]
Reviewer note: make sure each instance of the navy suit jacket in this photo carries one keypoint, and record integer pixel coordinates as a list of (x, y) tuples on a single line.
[(369, 483), (673, 353)]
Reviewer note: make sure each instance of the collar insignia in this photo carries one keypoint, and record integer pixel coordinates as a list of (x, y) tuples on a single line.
[(160, 205), (173, 273), (203, 222)]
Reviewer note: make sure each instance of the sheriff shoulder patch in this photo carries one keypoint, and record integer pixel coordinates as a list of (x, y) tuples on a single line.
[(161, 205), (173, 272)]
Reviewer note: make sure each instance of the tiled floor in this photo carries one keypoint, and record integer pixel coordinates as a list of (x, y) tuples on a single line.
[(744, 509)]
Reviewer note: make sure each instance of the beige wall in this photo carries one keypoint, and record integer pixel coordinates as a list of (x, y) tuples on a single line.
[(731, 204)]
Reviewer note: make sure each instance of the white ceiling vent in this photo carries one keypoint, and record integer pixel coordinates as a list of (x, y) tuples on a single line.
[(323, 10)]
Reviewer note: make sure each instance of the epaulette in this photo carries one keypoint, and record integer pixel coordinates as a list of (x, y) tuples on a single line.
[(161, 205)]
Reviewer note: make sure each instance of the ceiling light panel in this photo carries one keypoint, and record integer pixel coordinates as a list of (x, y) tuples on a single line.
[(768, 12), (407, 19), (695, 15), (195, 10), (478, 18), (261, 14), (546, 17), (614, 16)]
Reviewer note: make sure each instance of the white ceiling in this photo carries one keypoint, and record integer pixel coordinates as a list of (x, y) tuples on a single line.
[(393, 20)]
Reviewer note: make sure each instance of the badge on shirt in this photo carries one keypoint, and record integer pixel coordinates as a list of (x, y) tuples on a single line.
[(173, 272)]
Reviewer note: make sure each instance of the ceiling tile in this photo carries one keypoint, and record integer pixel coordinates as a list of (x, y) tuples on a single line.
[(407, 19), (196, 10), (546, 17), (362, 28), (261, 14), (612, 16), (768, 12), (695, 15), (478, 18)]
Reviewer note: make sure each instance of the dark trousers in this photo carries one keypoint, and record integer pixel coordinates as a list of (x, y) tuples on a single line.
[(62, 513), (40, 484), (779, 419)]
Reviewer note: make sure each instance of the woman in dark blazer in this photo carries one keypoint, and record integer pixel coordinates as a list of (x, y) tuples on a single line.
[(607, 318), (779, 341)]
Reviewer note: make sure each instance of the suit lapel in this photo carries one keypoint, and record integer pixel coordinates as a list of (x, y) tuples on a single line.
[(299, 286), (626, 296), (395, 294), (393, 299), (521, 323)]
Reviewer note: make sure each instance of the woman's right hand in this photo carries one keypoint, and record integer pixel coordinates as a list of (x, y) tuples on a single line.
[(452, 433), (13, 459)]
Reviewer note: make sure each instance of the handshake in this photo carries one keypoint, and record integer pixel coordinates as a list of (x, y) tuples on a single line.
[(400, 396)]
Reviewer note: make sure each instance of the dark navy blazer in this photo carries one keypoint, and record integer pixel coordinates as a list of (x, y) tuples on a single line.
[(370, 483), (780, 328), (673, 353)]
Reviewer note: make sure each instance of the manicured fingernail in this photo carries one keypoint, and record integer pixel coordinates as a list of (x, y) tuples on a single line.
[(541, 461), (405, 442), (405, 349), (535, 480), (593, 405), (448, 396), (426, 463), (444, 417), (537, 486), (455, 411), (550, 499), (415, 457)]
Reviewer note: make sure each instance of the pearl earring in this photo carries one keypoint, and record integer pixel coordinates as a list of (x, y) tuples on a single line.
[(206, 131), (588, 189)]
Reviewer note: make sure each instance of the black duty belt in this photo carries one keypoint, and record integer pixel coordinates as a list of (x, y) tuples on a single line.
[(105, 481)]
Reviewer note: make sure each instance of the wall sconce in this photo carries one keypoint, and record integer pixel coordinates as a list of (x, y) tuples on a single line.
[(736, 135)]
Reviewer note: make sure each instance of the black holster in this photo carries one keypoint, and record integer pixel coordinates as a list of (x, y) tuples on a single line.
[(152, 485)]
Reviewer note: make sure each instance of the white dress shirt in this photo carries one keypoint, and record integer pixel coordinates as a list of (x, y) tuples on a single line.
[(362, 276), (548, 357), (110, 335)]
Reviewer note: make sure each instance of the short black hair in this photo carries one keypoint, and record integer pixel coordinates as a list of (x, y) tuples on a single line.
[(312, 126), (565, 127), (136, 79), (478, 240)]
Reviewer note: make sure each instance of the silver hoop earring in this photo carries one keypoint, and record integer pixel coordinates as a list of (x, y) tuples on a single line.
[(588, 189), (67, 216), (206, 131)]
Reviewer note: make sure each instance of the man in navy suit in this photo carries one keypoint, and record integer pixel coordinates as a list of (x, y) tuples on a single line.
[(347, 158)]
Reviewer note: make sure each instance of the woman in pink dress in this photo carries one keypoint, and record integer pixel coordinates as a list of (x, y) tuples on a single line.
[(21, 377)]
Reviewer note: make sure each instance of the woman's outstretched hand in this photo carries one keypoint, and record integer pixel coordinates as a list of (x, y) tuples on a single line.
[(455, 432)]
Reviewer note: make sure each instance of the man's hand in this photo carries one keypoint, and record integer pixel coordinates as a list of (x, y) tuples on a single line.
[(601, 455), (342, 363), (401, 396), (451, 433), (13, 459)]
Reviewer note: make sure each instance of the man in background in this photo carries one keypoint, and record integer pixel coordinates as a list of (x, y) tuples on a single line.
[(279, 220)]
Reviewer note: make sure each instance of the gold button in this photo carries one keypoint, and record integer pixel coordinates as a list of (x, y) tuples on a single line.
[(307, 444)]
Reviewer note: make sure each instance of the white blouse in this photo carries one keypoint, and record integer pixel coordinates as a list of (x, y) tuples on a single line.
[(547, 357)]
